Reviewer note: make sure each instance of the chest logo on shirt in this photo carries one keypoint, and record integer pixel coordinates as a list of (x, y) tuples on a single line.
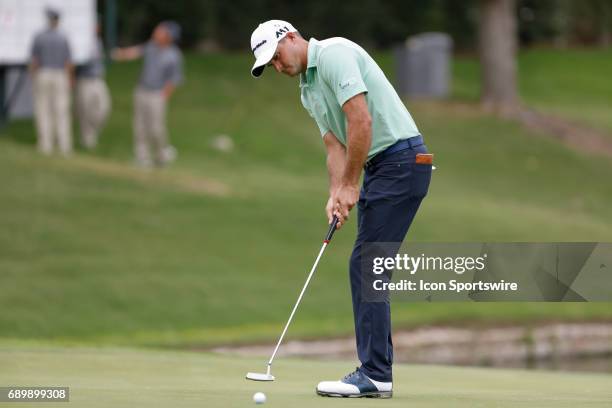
[(347, 82)]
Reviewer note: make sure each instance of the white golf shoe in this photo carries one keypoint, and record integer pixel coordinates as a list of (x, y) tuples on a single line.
[(355, 385)]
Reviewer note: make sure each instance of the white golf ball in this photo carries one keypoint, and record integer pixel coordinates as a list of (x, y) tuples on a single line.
[(259, 397)]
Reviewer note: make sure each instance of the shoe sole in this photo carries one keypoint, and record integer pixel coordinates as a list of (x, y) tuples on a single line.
[(376, 394)]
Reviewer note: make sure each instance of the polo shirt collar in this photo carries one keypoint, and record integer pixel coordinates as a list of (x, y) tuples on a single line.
[(311, 64)]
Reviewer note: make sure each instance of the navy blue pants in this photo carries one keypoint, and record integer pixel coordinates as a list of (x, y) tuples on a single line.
[(393, 188)]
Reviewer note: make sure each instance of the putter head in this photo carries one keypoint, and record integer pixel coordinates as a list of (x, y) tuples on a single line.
[(259, 377)]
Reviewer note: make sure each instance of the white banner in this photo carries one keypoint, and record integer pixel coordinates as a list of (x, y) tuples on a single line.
[(21, 20)]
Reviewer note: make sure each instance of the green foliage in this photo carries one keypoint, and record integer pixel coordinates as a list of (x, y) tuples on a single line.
[(228, 24)]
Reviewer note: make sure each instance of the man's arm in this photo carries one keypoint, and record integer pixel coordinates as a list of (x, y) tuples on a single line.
[(169, 88), (175, 77), (336, 162), (34, 64), (359, 139), (70, 72), (34, 53), (127, 53)]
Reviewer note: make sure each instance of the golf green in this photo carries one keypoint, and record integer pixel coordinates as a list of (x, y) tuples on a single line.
[(147, 378)]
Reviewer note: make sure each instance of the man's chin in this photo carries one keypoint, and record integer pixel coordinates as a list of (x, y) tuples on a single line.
[(293, 73)]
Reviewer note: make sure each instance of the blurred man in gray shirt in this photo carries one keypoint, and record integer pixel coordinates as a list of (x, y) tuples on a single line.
[(161, 73), (52, 71), (92, 96)]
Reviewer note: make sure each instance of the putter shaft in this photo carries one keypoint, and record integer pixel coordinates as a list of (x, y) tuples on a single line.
[(314, 267), (328, 237)]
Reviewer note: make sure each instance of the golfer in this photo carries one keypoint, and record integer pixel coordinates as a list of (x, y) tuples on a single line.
[(365, 126)]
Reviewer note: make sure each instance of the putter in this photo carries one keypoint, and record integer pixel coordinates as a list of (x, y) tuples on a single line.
[(267, 376)]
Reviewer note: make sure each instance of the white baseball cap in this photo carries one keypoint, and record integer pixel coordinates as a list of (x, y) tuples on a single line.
[(264, 41)]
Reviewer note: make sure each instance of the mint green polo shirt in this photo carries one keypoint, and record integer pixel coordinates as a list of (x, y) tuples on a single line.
[(339, 69)]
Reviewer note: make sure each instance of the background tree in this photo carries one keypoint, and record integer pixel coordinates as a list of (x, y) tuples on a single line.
[(497, 51)]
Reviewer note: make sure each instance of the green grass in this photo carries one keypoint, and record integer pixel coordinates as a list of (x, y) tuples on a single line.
[(215, 248), (567, 83), (129, 378)]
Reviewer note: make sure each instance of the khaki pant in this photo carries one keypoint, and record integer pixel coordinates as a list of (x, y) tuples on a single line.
[(93, 107), (150, 133), (52, 110)]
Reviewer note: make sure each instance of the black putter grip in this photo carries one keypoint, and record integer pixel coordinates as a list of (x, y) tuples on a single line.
[(332, 229)]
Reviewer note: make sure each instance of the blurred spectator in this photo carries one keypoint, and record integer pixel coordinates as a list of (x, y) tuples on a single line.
[(52, 72), (92, 96), (162, 72)]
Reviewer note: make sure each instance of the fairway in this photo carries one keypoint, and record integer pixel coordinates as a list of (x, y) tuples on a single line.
[(138, 378)]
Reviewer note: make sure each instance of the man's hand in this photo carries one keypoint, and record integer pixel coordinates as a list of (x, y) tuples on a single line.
[(168, 90), (127, 53), (329, 209), (336, 159), (342, 202), (34, 65), (70, 71)]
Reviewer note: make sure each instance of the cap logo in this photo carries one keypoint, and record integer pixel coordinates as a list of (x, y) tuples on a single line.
[(282, 31), (259, 45)]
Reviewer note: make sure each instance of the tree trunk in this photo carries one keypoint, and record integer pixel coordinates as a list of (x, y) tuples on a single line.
[(498, 45), (605, 36)]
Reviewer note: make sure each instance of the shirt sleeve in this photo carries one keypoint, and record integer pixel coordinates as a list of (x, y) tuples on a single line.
[(339, 68)]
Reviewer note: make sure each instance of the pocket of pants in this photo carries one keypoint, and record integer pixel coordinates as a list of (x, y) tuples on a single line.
[(420, 179)]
